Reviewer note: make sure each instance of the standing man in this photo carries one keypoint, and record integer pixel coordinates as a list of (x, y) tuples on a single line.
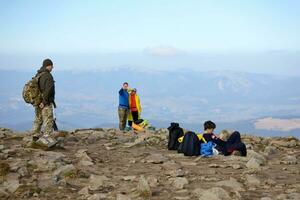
[(123, 108), (44, 111)]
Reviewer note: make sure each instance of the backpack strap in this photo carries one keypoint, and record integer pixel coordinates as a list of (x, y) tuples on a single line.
[(200, 137), (180, 139), (38, 76)]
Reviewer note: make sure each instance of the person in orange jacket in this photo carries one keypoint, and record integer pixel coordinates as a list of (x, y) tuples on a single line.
[(134, 106)]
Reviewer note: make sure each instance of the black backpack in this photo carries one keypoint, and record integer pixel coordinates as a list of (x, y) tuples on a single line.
[(190, 145), (175, 132)]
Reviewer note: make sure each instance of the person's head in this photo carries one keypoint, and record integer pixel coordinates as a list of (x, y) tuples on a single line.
[(48, 64), (209, 126), (134, 91), (125, 85), (224, 135)]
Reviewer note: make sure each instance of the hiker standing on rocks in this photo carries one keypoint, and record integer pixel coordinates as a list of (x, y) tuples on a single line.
[(123, 108), (135, 107), (44, 111)]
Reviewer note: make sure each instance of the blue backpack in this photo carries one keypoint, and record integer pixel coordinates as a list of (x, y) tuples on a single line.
[(207, 149)]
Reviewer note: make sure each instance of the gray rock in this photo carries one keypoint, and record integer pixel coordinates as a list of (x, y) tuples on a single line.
[(12, 185), (64, 171), (266, 198), (237, 166), (197, 192), (97, 197), (96, 182), (129, 178), (152, 180), (252, 180), (182, 198), (270, 150), (261, 158), (84, 159), (156, 159), (270, 182), (213, 165), (253, 163), (289, 160), (279, 143), (231, 183), (1, 147), (3, 194), (84, 191), (123, 197), (143, 188), (171, 165), (293, 196), (292, 143), (175, 173), (180, 182), (215, 193)]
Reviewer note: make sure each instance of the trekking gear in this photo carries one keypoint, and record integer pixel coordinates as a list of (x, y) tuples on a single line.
[(175, 132), (55, 128), (46, 140), (136, 127), (31, 91), (190, 145), (207, 149), (142, 122)]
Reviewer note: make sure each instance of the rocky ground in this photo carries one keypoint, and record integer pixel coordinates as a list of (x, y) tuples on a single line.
[(108, 164)]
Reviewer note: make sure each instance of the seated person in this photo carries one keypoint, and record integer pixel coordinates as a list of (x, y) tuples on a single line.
[(226, 147)]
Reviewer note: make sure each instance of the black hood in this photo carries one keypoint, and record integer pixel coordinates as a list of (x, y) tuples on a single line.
[(173, 125), (42, 69)]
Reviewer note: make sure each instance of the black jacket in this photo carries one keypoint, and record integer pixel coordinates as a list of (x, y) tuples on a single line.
[(47, 87), (221, 145)]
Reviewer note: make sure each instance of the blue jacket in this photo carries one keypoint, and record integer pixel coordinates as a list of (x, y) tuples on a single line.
[(123, 99)]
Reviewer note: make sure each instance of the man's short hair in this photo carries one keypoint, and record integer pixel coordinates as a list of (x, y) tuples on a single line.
[(125, 83), (209, 125)]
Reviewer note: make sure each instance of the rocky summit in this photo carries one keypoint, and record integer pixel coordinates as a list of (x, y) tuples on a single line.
[(96, 164)]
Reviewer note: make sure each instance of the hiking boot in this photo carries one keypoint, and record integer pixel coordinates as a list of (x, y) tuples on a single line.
[(35, 138), (46, 140)]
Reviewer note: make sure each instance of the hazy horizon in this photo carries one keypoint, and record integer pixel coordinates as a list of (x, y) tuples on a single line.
[(255, 36)]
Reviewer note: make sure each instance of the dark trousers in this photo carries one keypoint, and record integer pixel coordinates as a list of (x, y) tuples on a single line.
[(234, 143), (135, 117)]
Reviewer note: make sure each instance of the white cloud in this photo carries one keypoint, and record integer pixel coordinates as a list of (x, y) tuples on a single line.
[(163, 51), (277, 124)]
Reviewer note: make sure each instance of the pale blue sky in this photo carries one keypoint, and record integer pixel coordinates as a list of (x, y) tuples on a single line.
[(164, 28)]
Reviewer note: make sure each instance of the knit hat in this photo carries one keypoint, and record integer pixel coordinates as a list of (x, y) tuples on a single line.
[(47, 62)]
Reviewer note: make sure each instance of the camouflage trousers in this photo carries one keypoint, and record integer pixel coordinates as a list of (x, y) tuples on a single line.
[(123, 112), (43, 117)]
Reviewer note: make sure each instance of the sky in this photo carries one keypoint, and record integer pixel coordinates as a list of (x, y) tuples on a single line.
[(170, 33)]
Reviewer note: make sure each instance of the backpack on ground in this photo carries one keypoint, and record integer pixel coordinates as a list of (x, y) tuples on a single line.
[(190, 145), (31, 91), (175, 132), (207, 149)]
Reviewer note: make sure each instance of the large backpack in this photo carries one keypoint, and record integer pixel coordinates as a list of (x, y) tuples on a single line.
[(175, 132), (31, 91), (190, 145)]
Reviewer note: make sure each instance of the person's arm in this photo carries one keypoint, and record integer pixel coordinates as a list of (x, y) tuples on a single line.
[(49, 86), (139, 104), (121, 91), (217, 140)]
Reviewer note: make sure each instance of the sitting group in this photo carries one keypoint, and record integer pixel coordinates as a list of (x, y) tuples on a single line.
[(207, 144)]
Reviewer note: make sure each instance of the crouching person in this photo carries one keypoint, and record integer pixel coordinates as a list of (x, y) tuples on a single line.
[(227, 147)]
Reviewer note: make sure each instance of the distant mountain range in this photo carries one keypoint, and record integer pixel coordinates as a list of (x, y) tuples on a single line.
[(234, 100)]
